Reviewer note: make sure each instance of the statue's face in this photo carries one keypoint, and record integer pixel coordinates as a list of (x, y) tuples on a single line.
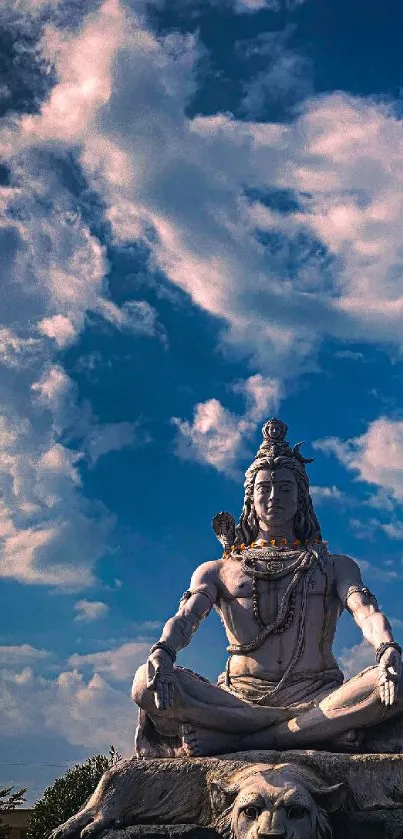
[(275, 430), (275, 496), (262, 809)]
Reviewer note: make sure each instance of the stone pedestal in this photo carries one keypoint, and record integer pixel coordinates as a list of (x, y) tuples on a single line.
[(155, 831), (351, 796)]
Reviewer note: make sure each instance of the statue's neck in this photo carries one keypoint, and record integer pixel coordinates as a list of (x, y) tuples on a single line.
[(276, 531)]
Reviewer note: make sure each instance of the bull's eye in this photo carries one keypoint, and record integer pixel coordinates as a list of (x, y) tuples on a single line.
[(296, 812), (251, 813)]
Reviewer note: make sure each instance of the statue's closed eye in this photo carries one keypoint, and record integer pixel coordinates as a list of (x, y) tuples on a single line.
[(296, 812)]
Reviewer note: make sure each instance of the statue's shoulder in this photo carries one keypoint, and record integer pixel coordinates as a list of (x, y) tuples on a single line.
[(207, 573), (345, 567), (343, 559)]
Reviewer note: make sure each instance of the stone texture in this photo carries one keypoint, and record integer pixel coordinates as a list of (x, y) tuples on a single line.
[(382, 824), (158, 831), (161, 798)]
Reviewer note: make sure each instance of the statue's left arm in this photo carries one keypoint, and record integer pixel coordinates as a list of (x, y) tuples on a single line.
[(374, 625)]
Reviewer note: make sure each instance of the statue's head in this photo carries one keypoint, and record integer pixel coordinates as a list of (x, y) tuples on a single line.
[(276, 463), (287, 802)]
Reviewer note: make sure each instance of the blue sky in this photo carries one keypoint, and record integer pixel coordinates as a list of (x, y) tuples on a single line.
[(201, 223)]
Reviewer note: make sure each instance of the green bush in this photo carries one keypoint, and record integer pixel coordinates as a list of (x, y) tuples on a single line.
[(68, 794)]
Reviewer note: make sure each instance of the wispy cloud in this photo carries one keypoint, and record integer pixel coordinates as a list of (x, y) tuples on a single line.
[(90, 610), (86, 702), (354, 659), (337, 244), (280, 75), (376, 456), (20, 655), (324, 493), (251, 6), (342, 236), (216, 436), (115, 663), (110, 437)]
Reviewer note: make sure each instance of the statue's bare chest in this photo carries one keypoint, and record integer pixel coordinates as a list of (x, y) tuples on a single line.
[(236, 583), (259, 593)]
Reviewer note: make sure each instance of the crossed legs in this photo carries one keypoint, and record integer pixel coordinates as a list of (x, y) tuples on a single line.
[(208, 720), (354, 705)]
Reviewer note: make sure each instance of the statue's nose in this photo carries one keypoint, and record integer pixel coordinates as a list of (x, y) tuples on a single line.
[(272, 824)]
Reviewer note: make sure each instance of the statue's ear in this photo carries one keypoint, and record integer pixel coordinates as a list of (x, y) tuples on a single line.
[(330, 798), (222, 796)]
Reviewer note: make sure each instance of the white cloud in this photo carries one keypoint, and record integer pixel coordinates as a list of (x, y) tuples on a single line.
[(393, 529), (35, 556), (285, 77), (183, 191), (136, 316), (250, 6), (216, 436), (340, 158), (262, 396), (53, 272), (353, 660), (90, 610), (109, 437), (396, 623), (18, 655), (60, 328), (89, 713), (324, 493), (49, 533), (87, 702), (54, 389), (386, 574), (376, 455), (116, 664), (15, 351)]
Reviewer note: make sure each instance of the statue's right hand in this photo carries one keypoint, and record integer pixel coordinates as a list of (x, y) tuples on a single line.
[(161, 679)]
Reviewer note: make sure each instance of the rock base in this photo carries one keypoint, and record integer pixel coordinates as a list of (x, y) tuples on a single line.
[(352, 796), (158, 831), (382, 824)]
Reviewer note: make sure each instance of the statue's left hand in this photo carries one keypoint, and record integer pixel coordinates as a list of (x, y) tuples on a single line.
[(390, 671)]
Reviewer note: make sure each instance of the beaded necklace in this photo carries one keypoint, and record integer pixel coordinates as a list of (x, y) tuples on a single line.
[(304, 572), (274, 570)]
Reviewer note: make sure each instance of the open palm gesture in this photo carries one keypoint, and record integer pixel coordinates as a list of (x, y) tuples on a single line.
[(161, 679), (390, 671)]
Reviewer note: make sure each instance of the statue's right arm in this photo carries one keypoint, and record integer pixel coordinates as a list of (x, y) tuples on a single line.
[(195, 604)]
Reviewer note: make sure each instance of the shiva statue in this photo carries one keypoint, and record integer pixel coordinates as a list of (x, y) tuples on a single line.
[(279, 593)]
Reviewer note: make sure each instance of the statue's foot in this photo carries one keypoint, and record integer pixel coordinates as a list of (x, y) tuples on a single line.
[(200, 742), (350, 741), (150, 743)]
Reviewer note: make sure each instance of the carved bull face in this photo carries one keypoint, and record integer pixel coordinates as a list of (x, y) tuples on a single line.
[(276, 803)]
